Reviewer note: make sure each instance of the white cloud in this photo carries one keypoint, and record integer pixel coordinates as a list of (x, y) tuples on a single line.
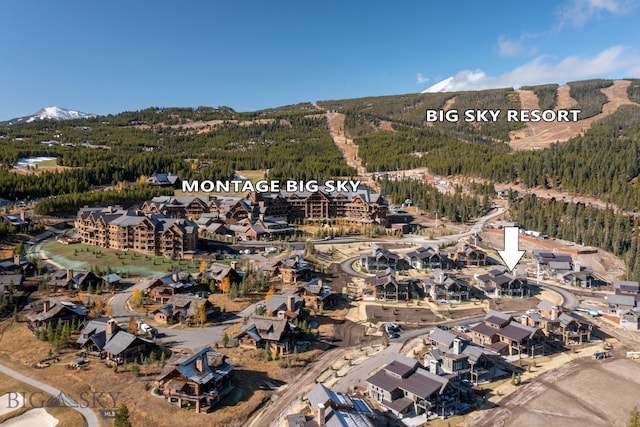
[(512, 48), (421, 79), (576, 13), (614, 60)]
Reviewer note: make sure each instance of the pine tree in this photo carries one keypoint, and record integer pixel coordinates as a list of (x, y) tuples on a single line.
[(122, 417), (634, 418)]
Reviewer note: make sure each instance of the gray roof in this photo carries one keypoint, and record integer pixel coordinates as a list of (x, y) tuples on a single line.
[(621, 299), (546, 305), (279, 302), (265, 327), (121, 341), (442, 337), (517, 331), (214, 366), (626, 285)]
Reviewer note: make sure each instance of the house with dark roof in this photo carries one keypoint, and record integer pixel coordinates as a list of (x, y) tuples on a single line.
[(558, 323), (266, 331), (333, 409), (285, 306), (499, 283), (201, 379), (15, 264), (404, 389), (45, 312), (630, 319), (452, 355), (380, 259), (316, 294), (444, 287), (164, 180), (289, 270), (499, 332), (164, 287), (424, 258), (20, 221), (184, 308), (466, 255), (387, 287), (104, 339), (73, 280), (9, 283), (219, 272)]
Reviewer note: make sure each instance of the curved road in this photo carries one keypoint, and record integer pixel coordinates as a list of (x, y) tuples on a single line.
[(193, 338), (88, 414)]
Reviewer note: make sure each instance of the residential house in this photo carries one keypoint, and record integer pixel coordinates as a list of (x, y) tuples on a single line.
[(104, 339), (201, 379), (581, 279), (316, 294), (289, 270), (404, 389), (73, 280), (387, 287), (9, 283), (443, 287), (559, 324), (184, 308), (45, 312), (466, 255), (498, 283), (15, 264), (19, 221), (379, 259), (264, 331), (334, 409), (500, 333), (553, 264), (427, 258), (164, 287), (219, 272), (164, 180), (452, 355), (621, 303), (630, 319), (284, 306)]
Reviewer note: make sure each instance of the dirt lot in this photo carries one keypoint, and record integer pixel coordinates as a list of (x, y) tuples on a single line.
[(583, 392)]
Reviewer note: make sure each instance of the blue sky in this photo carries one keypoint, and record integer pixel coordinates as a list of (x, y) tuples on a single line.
[(108, 57)]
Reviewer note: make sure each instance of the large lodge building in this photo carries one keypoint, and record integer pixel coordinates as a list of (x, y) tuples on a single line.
[(165, 225)]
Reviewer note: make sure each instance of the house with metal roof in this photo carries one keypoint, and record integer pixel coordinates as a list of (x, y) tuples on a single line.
[(406, 389), (105, 339), (379, 259), (266, 331), (333, 409), (424, 258), (316, 294), (46, 312), (387, 287), (445, 287), (201, 379), (499, 332), (499, 283), (184, 308), (177, 282)]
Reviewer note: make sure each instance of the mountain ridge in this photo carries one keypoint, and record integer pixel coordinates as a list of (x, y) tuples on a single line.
[(50, 113)]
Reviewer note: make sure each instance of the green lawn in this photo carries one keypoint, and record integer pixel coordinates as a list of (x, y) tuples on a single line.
[(82, 256)]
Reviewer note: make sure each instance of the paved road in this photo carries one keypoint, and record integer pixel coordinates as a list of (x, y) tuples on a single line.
[(88, 414), (193, 338)]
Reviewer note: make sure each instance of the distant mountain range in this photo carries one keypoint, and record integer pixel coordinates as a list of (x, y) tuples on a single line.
[(50, 113)]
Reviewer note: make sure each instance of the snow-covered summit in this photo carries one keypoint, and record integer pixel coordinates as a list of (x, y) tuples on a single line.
[(51, 113)]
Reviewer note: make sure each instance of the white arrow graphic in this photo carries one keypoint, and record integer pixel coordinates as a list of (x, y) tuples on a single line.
[(511, 254)]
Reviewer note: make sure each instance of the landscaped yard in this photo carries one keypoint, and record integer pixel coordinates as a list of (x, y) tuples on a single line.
[(82, 256)]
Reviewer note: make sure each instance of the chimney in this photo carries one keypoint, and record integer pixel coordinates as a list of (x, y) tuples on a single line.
[(69, 274), (434, 367), (16, 259), (441, 277), (174, 277), (297, 258), (112, 327), (576, 267), (22, 216), (234, 265), (321, 414), (554, 312), (110, 209), (46, 305), (457, 346), (200, 364), (291, 303)]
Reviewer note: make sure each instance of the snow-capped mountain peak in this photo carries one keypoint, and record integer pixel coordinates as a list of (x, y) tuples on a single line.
[(58, 113), (445, 85), (51, 113)]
